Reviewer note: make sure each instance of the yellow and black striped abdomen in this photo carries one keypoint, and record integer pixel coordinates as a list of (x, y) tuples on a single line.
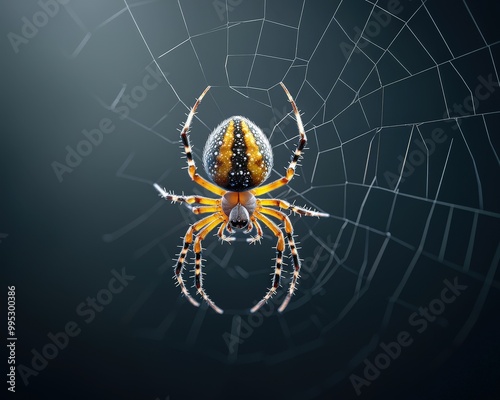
[(238, 156)]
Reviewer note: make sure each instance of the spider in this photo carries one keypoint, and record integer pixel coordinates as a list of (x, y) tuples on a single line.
[(238, 158)]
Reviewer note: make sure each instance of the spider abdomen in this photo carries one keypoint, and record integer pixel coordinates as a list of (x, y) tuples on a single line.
[(238, 156)]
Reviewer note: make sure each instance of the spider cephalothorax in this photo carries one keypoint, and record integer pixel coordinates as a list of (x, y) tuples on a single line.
[(239, 208), (238, 158)]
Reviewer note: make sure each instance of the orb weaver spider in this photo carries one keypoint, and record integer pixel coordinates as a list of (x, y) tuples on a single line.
[(238, 158)]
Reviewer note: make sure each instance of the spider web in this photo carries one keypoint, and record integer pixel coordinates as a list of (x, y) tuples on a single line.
[(400, 105)]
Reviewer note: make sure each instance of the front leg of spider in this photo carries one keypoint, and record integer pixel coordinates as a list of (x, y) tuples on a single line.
[(238, 158)]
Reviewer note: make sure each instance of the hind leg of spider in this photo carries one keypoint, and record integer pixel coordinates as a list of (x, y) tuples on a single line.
[(192, 170), (188, 239), (198, 278), (290, 171), (279, 259), (293, 249)]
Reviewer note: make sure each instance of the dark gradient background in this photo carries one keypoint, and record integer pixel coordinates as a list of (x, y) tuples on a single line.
[(384, 252)]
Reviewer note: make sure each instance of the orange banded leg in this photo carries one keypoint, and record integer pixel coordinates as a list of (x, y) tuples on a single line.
[(293, 249), (279, 259), (185, 199), (287, 206), (198, 278), (188, 239), (206, 209), (290, 172), (259, 235), (189, 155), (223, 237)]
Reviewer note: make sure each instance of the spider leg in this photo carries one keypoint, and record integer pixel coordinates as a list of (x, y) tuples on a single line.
[(249, 226), (287, 206), (189, 155), (204, 210), (279, 259), (188, 239), (293, 249), (223, 237), (185, 199), (198, 262), (290, 172), (259, 235)]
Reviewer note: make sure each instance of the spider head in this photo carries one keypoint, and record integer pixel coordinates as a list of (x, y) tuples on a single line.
[(238, 217)]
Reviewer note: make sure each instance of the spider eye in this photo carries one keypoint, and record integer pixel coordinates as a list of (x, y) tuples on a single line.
[(239, 224), (238, 217)]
